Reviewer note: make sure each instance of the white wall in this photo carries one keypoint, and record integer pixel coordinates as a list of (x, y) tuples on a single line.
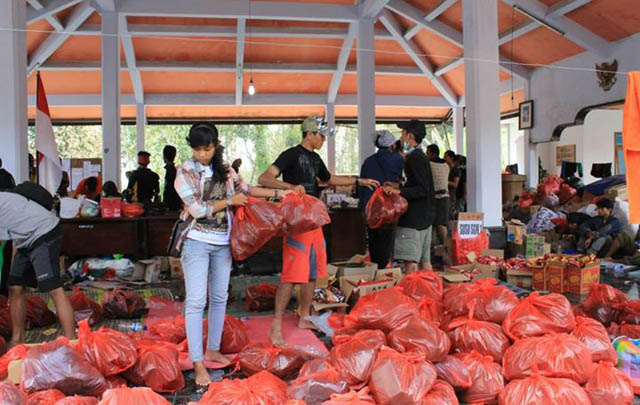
[(594, 142)]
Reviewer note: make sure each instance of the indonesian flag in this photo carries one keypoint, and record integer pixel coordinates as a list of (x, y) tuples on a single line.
[(49, 166)]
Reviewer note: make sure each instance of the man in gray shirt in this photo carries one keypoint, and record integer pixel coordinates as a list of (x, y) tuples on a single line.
[(37, 237)]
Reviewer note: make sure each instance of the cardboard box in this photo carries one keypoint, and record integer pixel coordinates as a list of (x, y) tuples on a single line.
[(394, 273), (453, 277), (539, 278), (619, 191), (555, 277), (352, 290), (579, 281), (469, 224), (348, 283), (486, 270), (520, 278), (535, 245), (516, 231), (349, 268), (149, 269)]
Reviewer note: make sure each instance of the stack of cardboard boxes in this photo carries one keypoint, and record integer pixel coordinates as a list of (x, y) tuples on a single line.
[(561, 274)]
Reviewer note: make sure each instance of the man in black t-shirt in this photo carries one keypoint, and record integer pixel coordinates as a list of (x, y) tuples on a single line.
[(144, 183), (303, 255)]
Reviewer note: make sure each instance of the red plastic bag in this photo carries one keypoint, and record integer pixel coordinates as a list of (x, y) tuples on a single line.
[(566, 193), (85, 308), (454, 300), (630, 313), (234, 335), (5, 322), (170, 330), (361, 397), (282, 362), (314, 366), (538, 315), (157, 367), (486, 379), (384, 210), (486, 338), (460, 248), (303, 213), (56, 365), (254, 225), (317, 387), (430, 309), (493, 302), (336, 320), (423, 283), (453, 371), (594, 335), (122, 304), (416, 335), (11, 395), (260, 388), (46, 397), (441, 394), (384, 310), (354, 356), (110, 351), (400, 378), (624, 329), (115, 382), (261, 297), (605, 303), (38, 314), (608, 386), (15, 353), (78, 400), (550, 185), (556, 355), (526, 200), (541, 390), (132, 396)]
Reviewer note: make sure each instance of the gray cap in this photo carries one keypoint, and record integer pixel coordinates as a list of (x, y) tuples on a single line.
[(383, 138)]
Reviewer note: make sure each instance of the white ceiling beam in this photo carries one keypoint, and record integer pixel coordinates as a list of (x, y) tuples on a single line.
[(414, 53), (51, 19), (241, 28), (432, 15), (371, 8), (268, 10), (107, 5), (341, 65), (415, 15), (448, 67), (49, 9), (54, 40), (130, 55), (514, 68)]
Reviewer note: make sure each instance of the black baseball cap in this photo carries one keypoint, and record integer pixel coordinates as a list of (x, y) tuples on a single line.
[(144, 153), (417, 128)]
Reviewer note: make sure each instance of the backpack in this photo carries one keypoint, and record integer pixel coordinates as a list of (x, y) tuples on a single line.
[(35, 192)]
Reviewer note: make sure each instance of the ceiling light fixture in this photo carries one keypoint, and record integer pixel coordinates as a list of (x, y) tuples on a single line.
[(538, 19), (252, 89)]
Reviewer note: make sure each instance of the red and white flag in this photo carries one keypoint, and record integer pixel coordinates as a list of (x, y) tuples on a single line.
[(49, 166)]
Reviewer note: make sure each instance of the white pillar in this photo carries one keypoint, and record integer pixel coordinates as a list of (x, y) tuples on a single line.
[(480, 35), (141, 124), (110, 97), (366, 89), (330, 117), (13, 89), (530, 149), (458, 130)]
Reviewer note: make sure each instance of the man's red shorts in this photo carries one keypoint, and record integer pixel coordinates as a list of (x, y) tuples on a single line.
[(304, 257)]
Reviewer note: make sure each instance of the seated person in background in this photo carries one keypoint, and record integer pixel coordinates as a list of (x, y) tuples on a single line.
[(575, 220), (90, 187), (597, 234), (144, 183), (624, 249), (110, 190), (170, 197)]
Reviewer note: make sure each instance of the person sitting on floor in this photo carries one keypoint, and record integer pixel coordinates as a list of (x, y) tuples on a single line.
[(625, 249), (597, 234)]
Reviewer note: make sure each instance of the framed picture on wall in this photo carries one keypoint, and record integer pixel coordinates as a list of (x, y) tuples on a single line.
[(525, 118)]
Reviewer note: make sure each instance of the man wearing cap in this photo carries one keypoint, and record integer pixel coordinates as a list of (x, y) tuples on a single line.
[(144, 183), (385, 166), (413, 235), (304, 256)]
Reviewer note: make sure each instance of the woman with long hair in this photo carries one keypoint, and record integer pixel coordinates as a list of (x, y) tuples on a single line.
[(209, 189)]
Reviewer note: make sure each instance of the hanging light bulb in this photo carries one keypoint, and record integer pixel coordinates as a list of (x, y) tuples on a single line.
[(252, 88)]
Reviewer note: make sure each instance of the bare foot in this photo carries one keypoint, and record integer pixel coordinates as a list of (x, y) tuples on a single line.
[(216, 356), (202, 375), (304, 324), (275, 334)]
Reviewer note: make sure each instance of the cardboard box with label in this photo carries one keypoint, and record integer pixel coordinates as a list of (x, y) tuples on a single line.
[(357, 286), (394, 274), (580, 280), (516, 231), (520, 278), (555, 277), (539, 277), (486, 270), (350, 268), (535, 245), (453, 276), (469, 224)]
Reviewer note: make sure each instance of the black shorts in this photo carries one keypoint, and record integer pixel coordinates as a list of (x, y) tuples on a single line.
[(38, 265), (442, 212)]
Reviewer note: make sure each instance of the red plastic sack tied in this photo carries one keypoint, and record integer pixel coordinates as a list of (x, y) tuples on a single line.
[(416, 335), (132, 396), (261, 388), (430, 309), (314, 366), (460, 248), (361, 397), (493, 302), (631, 313), (303, 213), (46, 397), (556, 355), (605, 303), (56, 365), (400, 378), (253, 225), (486, 338), (539, 390), (608, 386), (441, 394), (115, 382), (157, 367), (15, 353), (317, 387), (454, 300), (234, 335), (384, 210), (486, 379), (11, 395), (282, 362), (85, 308), (354, 356), (624, 329), (550, 185), (110, 351), (385, 310), (122, 304), (38, 314), (453, 371), (538, 315), (261, 297), (566, 193), (422, 284), (594, 335), (78, 400), (170, 330)]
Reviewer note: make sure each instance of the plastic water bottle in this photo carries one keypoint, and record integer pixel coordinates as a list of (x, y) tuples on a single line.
[(132, 326), (619, 270)]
